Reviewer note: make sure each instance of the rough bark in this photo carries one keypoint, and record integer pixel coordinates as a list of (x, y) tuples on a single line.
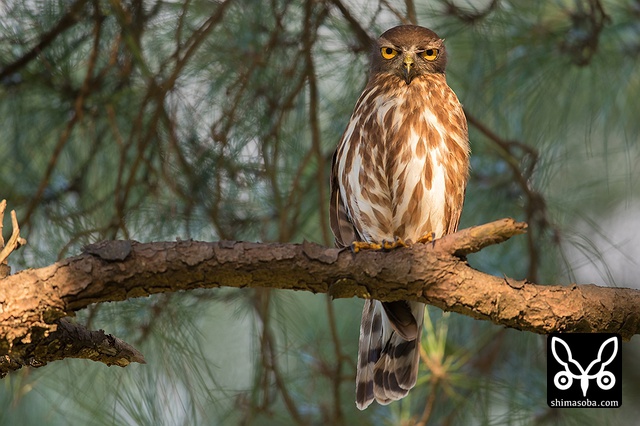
[(32, 302)]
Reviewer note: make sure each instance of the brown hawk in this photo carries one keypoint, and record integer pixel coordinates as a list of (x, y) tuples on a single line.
[(399, 174)]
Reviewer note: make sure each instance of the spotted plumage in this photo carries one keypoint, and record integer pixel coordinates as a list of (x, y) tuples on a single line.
[(400, 170)]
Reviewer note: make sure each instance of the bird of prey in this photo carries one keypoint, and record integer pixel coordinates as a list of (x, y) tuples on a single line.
[(398, 176)]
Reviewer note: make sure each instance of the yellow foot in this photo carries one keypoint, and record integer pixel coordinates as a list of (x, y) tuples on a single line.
[(390, 245), (356, 246), (427, 238)]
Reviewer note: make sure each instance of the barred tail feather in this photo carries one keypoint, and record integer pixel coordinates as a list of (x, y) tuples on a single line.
[(369, 349), (387, 362)]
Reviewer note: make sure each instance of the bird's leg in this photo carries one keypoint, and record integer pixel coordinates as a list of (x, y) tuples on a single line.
[(427, 238)]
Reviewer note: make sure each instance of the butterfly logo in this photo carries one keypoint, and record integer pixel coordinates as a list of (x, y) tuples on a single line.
[(564, 379)]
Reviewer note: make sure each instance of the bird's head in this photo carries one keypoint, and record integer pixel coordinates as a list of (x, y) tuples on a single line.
[(408, 51)]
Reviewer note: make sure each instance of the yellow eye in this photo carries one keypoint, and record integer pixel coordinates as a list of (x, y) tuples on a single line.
[(388, 53), (430, 54)]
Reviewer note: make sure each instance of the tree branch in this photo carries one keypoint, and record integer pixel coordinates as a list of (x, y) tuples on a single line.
[(71, 340), (437, 273)]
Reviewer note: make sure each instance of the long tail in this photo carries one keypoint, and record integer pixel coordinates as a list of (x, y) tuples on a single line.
[(389, 351)]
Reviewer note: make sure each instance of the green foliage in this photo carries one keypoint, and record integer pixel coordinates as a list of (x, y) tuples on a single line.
[(217, 120)]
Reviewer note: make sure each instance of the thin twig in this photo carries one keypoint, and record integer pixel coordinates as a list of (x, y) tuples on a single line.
[(402, 17), (72, 17), (75, 118), (336, 378), (535, 209), (3, 206), (364, 40), (428, 408), (15, 241), (270, 357), (469, 17), (412, 16)]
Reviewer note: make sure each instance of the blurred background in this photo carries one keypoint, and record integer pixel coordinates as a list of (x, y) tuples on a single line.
[(212, 120)]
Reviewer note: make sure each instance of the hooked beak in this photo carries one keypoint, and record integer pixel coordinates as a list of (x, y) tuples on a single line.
[(408, 68)]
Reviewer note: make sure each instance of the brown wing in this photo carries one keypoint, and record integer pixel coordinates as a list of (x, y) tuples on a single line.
[(342, 227), (458, 162)]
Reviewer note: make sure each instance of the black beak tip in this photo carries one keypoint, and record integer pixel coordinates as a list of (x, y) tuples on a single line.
[(407, 77)]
